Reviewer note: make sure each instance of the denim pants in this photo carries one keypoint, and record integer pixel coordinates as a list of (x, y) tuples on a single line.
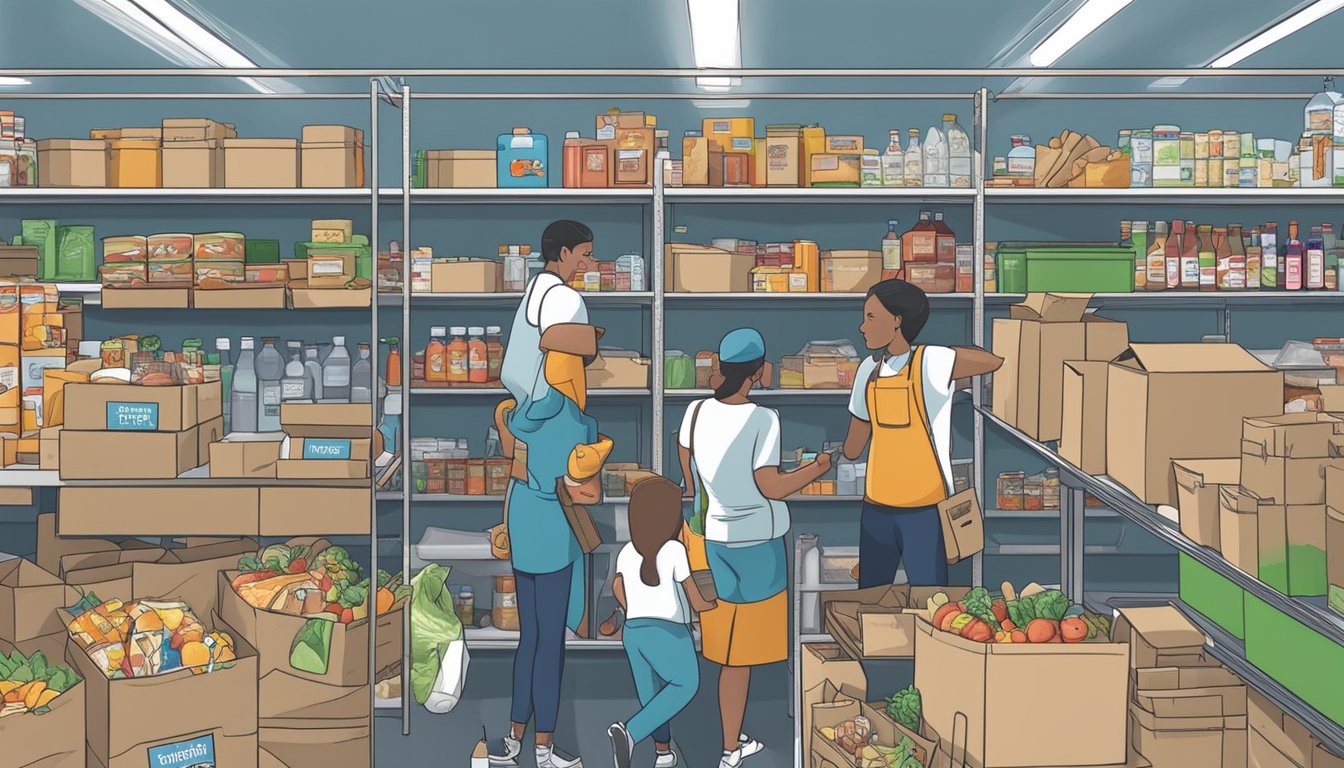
[(538, 665), (890, 537), (667, 675)]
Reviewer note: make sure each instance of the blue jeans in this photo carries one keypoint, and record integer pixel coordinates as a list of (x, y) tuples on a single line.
[(667, 675), (892, 536), (543, 603)]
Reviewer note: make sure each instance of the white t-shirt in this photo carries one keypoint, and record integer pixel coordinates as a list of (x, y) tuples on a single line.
[(667, 601), (938, 362), (551, 302), (731, 443)]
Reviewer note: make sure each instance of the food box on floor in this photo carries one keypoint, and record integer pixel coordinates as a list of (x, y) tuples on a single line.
[(214, 511), (146, 298), (288, 693), (134, 721), (1170, 401), (1213, 595), (460, 168), (131, 407), (1082, 434), (1277, 740), (54, 739), (824, 663), (466, 276), (72, 163), (833, 734), (29, 599), (261, 163), (1037, 338), (1301, 658), (1238, 527), (615, 369), (701, 269), (316, 744), (879, 622), (1196, 485), (1324, 758), (1290, 541), (245, 456), (1193, 742), (55, 554), (140, 455), (1283, 458), (1025, 704)]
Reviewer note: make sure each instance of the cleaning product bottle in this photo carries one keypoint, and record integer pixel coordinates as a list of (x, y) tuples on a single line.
[(393, 373), (361, 377), (295, 384)]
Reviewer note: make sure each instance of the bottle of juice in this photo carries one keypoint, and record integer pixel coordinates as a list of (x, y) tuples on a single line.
[(920, 244), (1255, 260), (914, 160), (478, 357), (1156, 260), (459, 369), (436, 356), (1315, 260), (946, 244), (891, 251), (1172, 256), (1294, 259), (393, 375), (1238, 268), (1190, 262), (1138, 236), (494, 352), (893, 162), (1269, 258)]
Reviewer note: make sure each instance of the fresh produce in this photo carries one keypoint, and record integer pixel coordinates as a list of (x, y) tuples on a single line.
[(1033, 615), (857, 739), (1041, 631), (28, 684), (1073, 630), (146, 638), (906, 708)]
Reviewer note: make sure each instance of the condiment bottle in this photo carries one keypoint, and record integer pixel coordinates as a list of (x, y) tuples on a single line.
[(494, 352), (393, 374), (456, 352), (573, 160), (1175, 244), (1293, 262), (1190, 258), (436, 356), (478, 360), (1156, 260)]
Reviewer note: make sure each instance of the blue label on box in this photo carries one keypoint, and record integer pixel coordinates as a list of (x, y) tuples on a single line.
[(192, 753), (326, 449), (133, 417)]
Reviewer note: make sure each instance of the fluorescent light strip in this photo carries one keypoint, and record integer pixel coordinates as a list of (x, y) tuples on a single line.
[(716, 40), (14, 81), (1084, 21), (1303, 18)]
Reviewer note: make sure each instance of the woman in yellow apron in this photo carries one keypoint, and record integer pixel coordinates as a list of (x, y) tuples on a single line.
[(901, 411)]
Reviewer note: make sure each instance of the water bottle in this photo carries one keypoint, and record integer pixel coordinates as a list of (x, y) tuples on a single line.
[(312, 373), (243, 397), (361, 377), (336, 372), (270, 371)]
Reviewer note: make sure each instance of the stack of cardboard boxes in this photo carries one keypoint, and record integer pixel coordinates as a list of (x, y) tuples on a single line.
[(37, 336), (796, 267)]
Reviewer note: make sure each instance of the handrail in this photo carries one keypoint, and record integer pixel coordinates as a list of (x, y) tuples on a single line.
[(674, 72)]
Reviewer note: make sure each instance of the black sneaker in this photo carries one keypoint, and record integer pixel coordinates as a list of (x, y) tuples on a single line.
[(622, 746)]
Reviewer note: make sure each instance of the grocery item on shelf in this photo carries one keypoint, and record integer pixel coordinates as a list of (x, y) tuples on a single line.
[(1020, 491), (820, 365), (331, 156), (472, 356), (445, 466), (19, 162), (521, 160), (45, 249), (1068, 160), (455, 169)]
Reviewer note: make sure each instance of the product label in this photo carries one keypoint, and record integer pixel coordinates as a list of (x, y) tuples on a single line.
[(291, 390), (192, 753), (9, 377), (133, 417), (721, 126), (314, 448), (271, 396), (321, 267), (743, 144), (335, 377), (606, 133), (1022, 166)]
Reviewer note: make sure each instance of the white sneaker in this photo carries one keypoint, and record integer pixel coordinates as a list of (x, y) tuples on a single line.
[(547, 757), (622, 746), (731, 759), (666, 760), (748, 746), (509, 757)]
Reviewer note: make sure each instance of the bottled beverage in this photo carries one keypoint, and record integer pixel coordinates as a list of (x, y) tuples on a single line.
[(225, 380), (456, 354), (389, 426), (870, 168), (1331, 257), (1294, 258), (1319, 115), (1138, 236), (1022, 158), (393, 373), (1172, 255), (244, 395), (920, 244), (1206, 258), (494, 351), (336, 372), (1238, 269), (436, 356), (1222, 258), (478, 361), (914, 160), (295, 384), (270, 376), (312, 373), (891, 251), (515, 268), (1315, 260), (1190, 257), (1254, 259), (1156, 279), (959, 166), (935, 159), (946, 243), (1269, 257), (893, 162), (361, 377)]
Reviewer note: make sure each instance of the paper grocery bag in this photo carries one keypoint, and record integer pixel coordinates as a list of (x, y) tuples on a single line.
[(963, 526)]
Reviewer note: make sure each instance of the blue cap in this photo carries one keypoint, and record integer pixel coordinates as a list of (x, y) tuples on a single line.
[(742, 346)]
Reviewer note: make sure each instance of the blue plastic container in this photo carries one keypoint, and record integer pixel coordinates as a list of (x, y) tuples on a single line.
[(522, 160)]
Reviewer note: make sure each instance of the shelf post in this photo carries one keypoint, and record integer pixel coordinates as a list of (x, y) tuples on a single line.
[(373, 474), (407, 482), (1072, 520), (978, 309), (658, 324)]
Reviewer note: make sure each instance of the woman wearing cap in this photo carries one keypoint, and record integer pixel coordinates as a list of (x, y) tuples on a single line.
[(901, 411), (730, 452)]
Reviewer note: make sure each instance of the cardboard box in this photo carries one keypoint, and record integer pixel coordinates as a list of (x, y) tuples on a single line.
[(129, 407), (300, 296), (1239, 528), (332, 230), (1291, 544), (1284, 458), (332, 165), (1035, 341), (839, 705), (1334, 539), (1196, 485), (1082, 434), (130, 721), (1168, 401), (193, 164), (72, 163), (134, 163), (331, 420), (51, 740), (700, 269), (188, 574), (1261, 753), (614, 370), (261, 163), (879, 623), (1285, 735), (1197, 742), (1159, 637), (461, 169), (850, 271), (52, 551), (826, 663), (312, 744), (134, 455), (146, 298), (178, 129), (245, 456), (49, 448), (466, 276), (214, 511), (29, 599), (240, 296), (1014, 702), (1324, 758), (288, 693), (299, 469)]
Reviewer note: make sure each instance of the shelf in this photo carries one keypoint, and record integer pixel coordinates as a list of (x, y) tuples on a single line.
[(793, 298), (813, 194), (817, 637), (536, 195), (498, 639), (452, 498), (501, 392), (613, 298), (1163, 195), (387, 704), (771, 394), (1188, 298), (56, 195), (30, 478), (1150, 519), (1043, 514), (812, 589)]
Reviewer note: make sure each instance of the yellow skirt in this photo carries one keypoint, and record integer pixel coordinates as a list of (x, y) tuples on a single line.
[(741, 634)]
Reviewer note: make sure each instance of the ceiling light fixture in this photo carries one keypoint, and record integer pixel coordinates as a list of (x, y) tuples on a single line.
[(1084, 21), (1303, 18), (14, 81), (716, 40)]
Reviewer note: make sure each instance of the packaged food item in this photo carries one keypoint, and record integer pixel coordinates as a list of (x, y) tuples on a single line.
[(1011, 488), (220, 246), (521, 159), (125, 249)]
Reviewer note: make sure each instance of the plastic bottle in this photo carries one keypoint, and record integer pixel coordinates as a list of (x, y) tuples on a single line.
[(1175, 246), (958, 152), (1156, 260), (893, 162), (946, 243), (436, 356), (1237, 254), (336, 372), (935, 159), (1315, 261), (1270, 279), (389, 427), (494, 352), (478, 357), (393, 372), (361, 377), (515, 269), (222, 345), (1319, 115), (1190, 263), (891, 251), (295, 385), (1294, 261), (919, 245), (1022, 158), (312, 372), (914, 160), (455, 355), (270, 375), (244, 394)]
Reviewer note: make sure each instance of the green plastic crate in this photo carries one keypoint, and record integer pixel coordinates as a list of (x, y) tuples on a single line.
[(1213, 595), (1301, 659), (1080, 270)]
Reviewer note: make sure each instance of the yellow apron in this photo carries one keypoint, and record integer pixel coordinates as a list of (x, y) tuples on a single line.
[(903, 466)]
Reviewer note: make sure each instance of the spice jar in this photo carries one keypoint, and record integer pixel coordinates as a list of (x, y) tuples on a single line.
[(455, 480), (476, 477), (497, 476), (1010, 490), (504, 615)]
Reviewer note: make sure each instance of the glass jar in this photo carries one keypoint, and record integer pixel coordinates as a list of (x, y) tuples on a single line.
[(1011, 486), (504, 614)]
